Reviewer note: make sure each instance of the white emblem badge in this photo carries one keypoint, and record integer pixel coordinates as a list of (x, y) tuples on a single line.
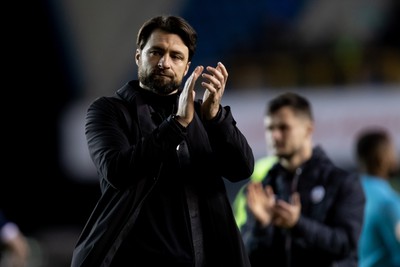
[(317, 194)]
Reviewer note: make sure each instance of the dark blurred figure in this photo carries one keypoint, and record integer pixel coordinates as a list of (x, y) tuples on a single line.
[(305, 211), (14, 246), (378, 162)]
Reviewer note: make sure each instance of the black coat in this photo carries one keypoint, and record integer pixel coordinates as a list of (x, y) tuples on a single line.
[(330, 223), (129, 147)]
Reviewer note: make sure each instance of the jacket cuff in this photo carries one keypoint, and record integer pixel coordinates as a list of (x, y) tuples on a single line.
[(171, 131), (219, 117)]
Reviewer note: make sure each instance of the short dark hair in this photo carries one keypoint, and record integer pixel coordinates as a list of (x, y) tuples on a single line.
[(172, 24), (368, 144), (289, 99)]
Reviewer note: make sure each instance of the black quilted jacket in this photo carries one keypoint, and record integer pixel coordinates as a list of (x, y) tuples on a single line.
[(330, 224)]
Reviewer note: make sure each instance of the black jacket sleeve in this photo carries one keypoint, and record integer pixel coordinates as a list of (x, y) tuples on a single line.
[(234, 154)]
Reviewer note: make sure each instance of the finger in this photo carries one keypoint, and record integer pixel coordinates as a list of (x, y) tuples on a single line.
[(281, 211), (282, 203), (195, 75), (198, 70), (251, 187), (190, 83), (215, 72), (215, 78), (253, 190), (212, 85), (250, 194), (258, 188), (222, 69), (282, 206), (295, 199), (268, 189)]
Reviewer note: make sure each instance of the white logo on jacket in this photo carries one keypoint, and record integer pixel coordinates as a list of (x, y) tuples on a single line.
[(317, 194)]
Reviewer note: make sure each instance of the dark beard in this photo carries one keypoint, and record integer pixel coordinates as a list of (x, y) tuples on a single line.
[(158, 86), (286, 156)]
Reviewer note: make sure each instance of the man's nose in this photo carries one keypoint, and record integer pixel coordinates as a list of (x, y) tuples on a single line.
[(164, 62)]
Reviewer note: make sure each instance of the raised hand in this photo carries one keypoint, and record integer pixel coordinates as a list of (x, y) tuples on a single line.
[(261, 202), (286, 215), (185, 110), (215, 87)]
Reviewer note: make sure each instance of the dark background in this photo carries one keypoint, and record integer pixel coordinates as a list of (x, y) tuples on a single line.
[(35, 192)]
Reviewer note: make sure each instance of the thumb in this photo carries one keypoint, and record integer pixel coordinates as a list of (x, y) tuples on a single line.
[(195, 74), (190, 82)]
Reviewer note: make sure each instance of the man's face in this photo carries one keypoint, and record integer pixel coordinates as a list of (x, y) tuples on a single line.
[(162, 63), (287, 133)]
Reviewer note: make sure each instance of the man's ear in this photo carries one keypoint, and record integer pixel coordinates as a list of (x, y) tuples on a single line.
[(137, 56), (310, 128)]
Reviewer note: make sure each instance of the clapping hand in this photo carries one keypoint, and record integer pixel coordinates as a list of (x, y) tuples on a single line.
[(267, 209)]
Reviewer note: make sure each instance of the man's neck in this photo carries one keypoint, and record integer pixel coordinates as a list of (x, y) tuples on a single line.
[(297, 159)]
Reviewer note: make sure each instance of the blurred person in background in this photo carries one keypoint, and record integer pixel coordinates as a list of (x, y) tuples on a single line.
[(379, 244), (161, 156), (301, 210), (14, 245)]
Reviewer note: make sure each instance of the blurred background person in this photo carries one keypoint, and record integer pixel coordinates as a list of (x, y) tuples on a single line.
[(305, 211), (378, 162), (14, 246)]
